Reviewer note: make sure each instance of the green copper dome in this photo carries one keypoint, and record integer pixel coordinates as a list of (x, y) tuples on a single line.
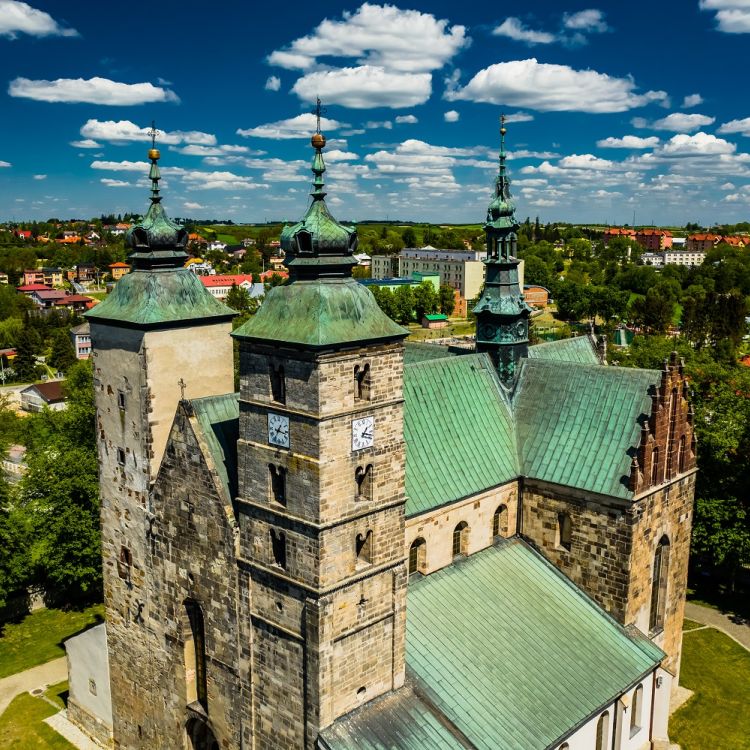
[(157, 241), (318, 245)]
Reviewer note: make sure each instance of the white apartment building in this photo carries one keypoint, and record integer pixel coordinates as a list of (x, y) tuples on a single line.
[(461, 269), (684, 257)]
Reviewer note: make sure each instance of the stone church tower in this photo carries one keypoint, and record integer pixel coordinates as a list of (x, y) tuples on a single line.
[(502, 312), (321, 487), (159, 337)]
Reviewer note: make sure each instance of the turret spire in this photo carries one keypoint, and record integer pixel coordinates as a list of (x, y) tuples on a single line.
[(502, 312)]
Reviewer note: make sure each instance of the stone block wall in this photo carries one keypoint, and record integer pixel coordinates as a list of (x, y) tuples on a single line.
[(436, 526)]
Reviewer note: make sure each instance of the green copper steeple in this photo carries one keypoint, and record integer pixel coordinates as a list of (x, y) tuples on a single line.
[(159, 291), (321, 305), (502, 312)]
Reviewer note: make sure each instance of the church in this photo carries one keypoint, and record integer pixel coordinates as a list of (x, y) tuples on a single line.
[(376, 544)]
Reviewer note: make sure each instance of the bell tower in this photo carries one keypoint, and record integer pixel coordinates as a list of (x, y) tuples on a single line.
[(321, 486), (502, 312), (158, 337)]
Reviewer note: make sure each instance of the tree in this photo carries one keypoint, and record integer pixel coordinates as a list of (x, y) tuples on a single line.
[(536, 271), (24, 365), (15, 560), (425, 300), (409, 237), (238, 298), (447, 299), (403, 303), (63, 355)]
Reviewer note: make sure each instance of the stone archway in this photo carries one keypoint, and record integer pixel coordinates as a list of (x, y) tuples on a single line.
[(200, 735)]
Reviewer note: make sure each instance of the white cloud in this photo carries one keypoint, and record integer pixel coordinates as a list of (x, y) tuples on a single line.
[(514, 29), (122, 166), (192, 205), (197, 150), (526, 154), (692, 100), (736, 126), (380, 36), (374, 124), (273, 83), (519, 117), (301, 126), (85, 143), (677, 122), (90, 91), (364, 87), (587, 161), (591, 21), (109, 182), (552, 88), (20, 18), (732, 16), (125, 131), (700, 144), (337, 155), (451, 116), (4, 164), (727, 186), (628, 141), (40, 176), (406, 120)]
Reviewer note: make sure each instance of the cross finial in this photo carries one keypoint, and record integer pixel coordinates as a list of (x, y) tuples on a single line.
[(317, 112), (153, 133), (182, 385)]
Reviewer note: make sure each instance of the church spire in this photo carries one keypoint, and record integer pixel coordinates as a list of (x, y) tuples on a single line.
[(502, 312), (157, 241), (318, 246)]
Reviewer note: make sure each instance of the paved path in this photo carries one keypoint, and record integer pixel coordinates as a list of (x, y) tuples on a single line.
[(739, 632), (37, 677), (62, 725)]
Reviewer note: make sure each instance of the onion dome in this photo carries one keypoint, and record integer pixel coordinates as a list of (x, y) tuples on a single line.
[(501, 211), (318, 246), (157, 241)]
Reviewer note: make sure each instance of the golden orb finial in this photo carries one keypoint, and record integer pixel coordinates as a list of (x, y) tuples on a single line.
[(503, 131), (318, 140), (154, 154)]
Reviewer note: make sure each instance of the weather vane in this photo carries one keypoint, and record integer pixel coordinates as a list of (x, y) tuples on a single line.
[(182, 385), (153, 133), (318, 111)]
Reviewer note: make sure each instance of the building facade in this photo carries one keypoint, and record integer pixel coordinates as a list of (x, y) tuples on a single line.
[(263, 549)]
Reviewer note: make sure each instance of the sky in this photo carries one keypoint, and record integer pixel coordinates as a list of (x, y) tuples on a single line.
[(616, 111)]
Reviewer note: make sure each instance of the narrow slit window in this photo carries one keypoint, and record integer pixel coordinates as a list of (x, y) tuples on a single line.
[(121, 400), (121, 456), (196, 681), (362, 382), (278, 483), (655, 465), (278, 383), (564, 531), (417, 554), (363, 480), (363, 546), (659, 585), (124, 564), (278, 548), (500, 522), (636, 713)]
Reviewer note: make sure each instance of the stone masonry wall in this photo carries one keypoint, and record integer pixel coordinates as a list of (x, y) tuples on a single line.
[(436, 526)]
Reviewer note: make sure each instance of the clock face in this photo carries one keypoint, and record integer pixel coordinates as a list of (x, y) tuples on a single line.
[(487, 331), (278, 430), (363, 433)]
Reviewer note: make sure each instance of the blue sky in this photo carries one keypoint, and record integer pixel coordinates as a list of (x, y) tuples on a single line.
[(615, 109)]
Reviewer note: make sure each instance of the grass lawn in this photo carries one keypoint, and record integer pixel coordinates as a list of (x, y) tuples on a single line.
[(455, 328), (690, 625), (38, 637), (22, 724), (716, 717)]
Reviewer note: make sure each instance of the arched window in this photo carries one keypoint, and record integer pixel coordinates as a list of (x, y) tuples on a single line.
[(278, 383), (278, 483), (500, 522), (602, 731), (363, 547), (278, 548), (636, 712), (362, 382), (655, 465), (659, 585), (417, 554), (461, 539), (194, 653), (565, 746), (363, 479), (564, 531)]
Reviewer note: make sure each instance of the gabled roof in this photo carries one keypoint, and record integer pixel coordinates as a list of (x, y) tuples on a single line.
[(218, 417), (500, 635), (227, 280), (51, 391), (580, 349), (458, 429), (579, 425)]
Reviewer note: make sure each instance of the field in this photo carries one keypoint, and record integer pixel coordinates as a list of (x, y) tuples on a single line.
[(22, 724)]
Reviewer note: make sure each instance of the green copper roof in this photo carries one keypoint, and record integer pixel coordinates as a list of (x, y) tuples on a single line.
[(458, 430), (578, 349), (578, 425), (218, 417), (150, 298), (415, 351), (320, 313), (507, 653)]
